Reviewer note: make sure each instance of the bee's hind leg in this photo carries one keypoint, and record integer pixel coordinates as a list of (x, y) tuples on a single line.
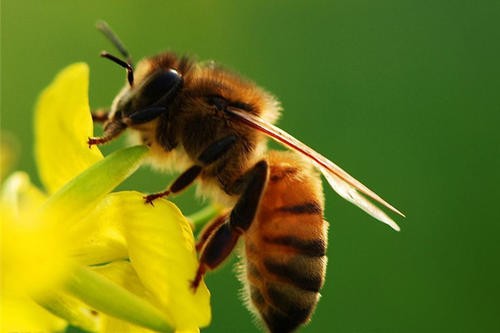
[(209, 229), (217, 246)]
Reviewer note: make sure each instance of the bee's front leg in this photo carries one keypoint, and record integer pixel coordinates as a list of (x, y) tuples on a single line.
[(112, 129), (116, 125), (100, 115)]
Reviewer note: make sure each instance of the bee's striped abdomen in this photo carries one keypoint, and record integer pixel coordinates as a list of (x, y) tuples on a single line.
[(286, 245)]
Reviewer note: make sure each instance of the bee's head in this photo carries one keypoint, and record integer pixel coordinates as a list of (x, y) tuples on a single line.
[(150, 90)]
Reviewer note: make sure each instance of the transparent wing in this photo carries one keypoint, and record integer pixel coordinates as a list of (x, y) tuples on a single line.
[(344, 184)]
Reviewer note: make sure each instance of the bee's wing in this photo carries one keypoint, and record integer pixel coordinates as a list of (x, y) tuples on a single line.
[(343, 183)]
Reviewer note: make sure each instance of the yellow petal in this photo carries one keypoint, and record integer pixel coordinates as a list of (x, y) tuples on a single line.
[(34, 252), (161, 249), (19, 194), (34, 255), (113, 325), (103, 240), (62, 126), (21, 314), (104, 244)]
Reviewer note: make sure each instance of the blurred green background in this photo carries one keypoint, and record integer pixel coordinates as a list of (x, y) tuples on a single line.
[(405, 95)]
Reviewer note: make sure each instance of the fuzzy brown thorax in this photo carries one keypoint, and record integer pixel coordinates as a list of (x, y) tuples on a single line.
[(195, 116)]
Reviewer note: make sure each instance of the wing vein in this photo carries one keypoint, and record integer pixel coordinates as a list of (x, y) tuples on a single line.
[(326, 166)]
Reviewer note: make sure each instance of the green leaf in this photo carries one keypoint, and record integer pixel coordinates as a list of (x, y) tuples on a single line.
[(78, 197), (200, 218)]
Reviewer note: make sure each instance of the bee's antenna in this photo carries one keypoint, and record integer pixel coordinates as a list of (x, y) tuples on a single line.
[(103, 27), (126, 65)]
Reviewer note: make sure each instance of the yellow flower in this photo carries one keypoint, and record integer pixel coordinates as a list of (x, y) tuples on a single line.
[(28, 270), (89, 249)]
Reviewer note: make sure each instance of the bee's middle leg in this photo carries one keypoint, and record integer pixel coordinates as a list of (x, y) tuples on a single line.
[(212, 153)]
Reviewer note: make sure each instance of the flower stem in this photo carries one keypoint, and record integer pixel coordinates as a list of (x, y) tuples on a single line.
[(70, 309), (200, 218), (103, 295)]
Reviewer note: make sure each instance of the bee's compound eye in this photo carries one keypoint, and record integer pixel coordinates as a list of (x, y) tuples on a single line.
[(161, 86)]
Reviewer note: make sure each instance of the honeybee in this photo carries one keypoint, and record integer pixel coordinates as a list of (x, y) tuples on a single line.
[(211, 125)]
